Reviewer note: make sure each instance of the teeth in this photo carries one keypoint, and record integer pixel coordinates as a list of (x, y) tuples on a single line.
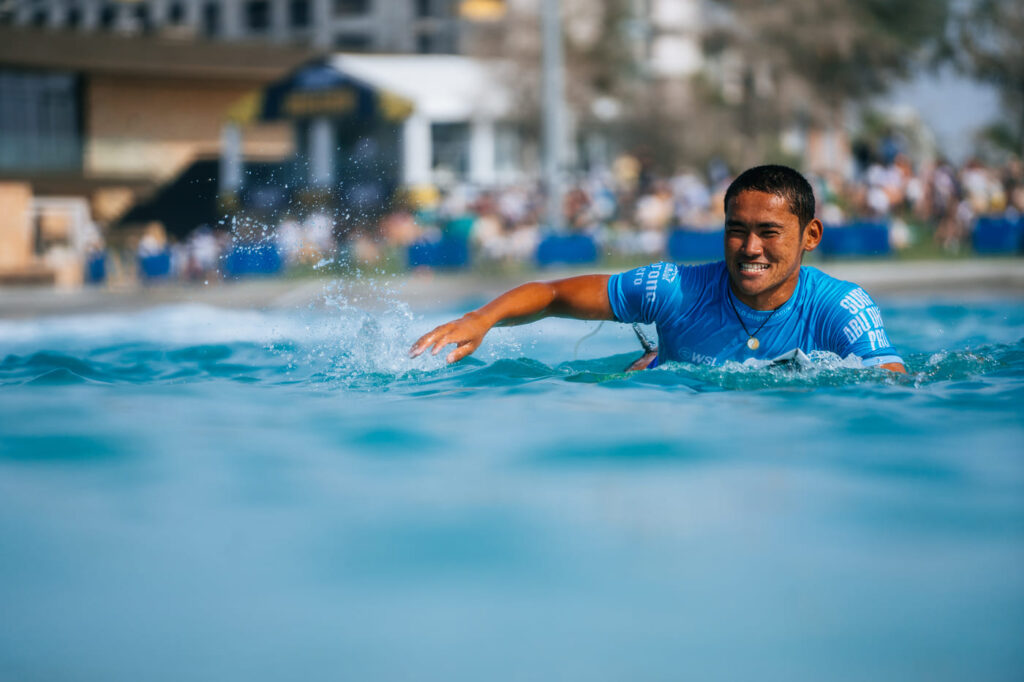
[(753, 267)]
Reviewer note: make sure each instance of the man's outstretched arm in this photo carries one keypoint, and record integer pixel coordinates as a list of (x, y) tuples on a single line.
[(584, 297)]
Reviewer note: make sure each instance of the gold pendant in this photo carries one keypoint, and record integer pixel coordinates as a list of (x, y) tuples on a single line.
[(753, 343)]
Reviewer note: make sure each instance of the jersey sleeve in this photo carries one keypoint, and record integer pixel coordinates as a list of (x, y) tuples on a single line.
[(645, 294), (856, 327)]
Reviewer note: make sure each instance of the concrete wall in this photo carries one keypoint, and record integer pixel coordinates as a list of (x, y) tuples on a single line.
[(154, 127)]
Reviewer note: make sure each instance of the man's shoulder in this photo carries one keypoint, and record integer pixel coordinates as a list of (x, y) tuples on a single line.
[(835, 299), (823, 287), (656, 291), (847, 319), (704, 273), (673, 273)]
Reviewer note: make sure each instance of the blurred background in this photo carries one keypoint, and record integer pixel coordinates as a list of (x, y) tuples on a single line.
[(148, 141)]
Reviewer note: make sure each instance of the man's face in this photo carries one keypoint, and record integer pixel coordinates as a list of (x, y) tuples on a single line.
[(763, 248)]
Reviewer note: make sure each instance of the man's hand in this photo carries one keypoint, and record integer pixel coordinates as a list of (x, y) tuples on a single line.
[(584, 297), (466, 333), (894, 367)]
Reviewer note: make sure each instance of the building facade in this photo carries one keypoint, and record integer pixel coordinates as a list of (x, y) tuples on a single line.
[(91, 124), (399, 26)]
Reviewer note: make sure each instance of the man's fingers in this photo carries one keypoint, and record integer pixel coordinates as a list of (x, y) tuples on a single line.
[(425, 341), (441, 341), (462, 335), (416, 349), (435, 341), (461, 351), (420, 345), (438, 345)]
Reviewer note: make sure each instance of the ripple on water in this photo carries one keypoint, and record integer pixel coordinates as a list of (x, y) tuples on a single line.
[(975, 371)]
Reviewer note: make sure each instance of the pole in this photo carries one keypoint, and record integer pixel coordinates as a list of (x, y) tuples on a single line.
[(553, 108), (230, 159)]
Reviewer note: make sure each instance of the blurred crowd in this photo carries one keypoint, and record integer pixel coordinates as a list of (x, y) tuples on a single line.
[(629, 210), (941, 199)]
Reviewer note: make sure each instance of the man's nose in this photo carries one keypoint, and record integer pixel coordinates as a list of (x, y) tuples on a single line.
[(752, 245)]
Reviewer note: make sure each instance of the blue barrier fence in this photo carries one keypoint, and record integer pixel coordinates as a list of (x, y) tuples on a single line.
[(686, 244), (155, 267), (571, 249), (861, 238), (448, 252), (96, 268), (995, 235), (255, 259)]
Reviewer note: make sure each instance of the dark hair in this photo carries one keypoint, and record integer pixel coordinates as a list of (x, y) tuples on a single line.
[(782, 181)]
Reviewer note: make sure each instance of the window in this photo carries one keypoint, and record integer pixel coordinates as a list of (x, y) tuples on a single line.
[(436, 9), (73, 19), (176, 13), (298, 13), (434, 42), (352, 42), (450, 147), (508, 149), (211, 19), (40, 125), (108, 16), (351, 8), (143, 21), (257, 16), (40, 18)]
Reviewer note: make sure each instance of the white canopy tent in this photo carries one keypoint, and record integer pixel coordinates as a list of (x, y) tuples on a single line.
[(443, 89)]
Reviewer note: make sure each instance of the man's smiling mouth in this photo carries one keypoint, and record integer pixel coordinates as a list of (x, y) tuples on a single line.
[(753, 267)]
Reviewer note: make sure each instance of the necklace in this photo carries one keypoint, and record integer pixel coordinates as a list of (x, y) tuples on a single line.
[(752, 342)]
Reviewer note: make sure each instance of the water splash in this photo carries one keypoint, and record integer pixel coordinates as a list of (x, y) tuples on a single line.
[(357, 334)]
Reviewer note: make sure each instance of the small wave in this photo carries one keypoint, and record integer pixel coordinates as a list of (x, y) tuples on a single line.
[(49, 368), (994, 359), (143, 365), (373, 360), (58, 377)]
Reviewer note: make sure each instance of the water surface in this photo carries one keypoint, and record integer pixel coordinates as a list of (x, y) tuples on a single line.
[(207, 494)]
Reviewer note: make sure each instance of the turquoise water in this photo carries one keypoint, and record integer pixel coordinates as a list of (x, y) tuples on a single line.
[(204, 494)]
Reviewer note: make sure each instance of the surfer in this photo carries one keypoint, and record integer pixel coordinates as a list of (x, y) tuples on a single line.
[(760, 302)]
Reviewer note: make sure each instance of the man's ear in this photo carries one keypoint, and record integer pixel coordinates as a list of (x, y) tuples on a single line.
[(812, 235)]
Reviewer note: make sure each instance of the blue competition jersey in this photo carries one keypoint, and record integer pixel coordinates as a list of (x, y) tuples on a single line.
[(696, 323)]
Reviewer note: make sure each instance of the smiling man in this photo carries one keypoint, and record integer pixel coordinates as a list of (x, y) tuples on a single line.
[(760, 302)]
